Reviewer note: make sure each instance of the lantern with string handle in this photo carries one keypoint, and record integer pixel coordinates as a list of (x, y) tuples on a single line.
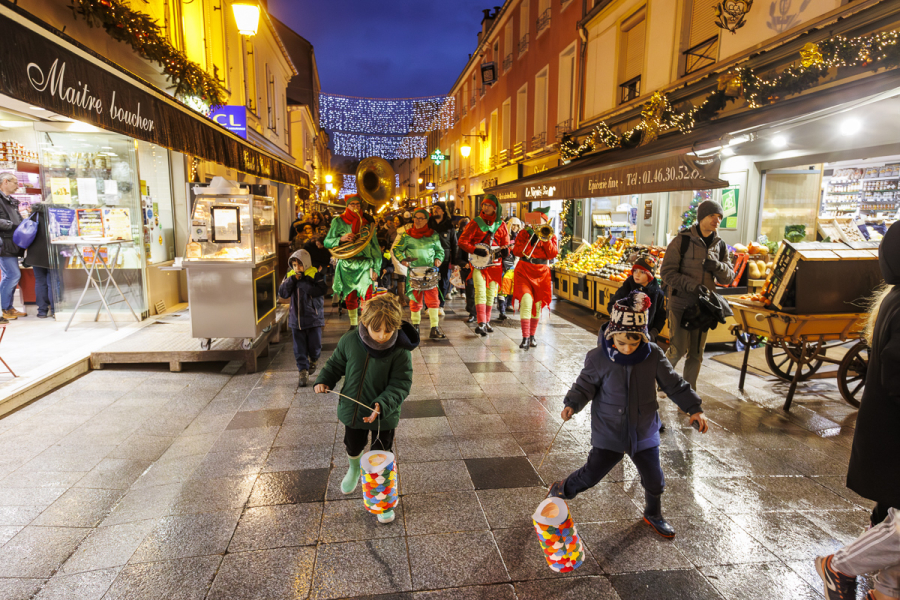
[(379, 483), (556, 533)]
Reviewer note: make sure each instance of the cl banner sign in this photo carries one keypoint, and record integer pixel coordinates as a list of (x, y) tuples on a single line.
[(233, 118)]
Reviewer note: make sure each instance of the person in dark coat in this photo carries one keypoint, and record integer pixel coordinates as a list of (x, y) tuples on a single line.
[(37, 256), (9, 252), (462, 260), (643, 279), (441, 224), (619, 379), (305, 285), (874, 470)]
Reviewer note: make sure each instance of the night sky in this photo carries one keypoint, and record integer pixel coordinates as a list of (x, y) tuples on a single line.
[(386, 49)]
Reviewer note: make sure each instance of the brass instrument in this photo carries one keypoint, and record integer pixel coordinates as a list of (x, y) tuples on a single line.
[(375, 182), (545, 234)]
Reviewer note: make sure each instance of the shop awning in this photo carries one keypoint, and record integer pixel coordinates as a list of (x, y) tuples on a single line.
[(639, 167), (39, 65)]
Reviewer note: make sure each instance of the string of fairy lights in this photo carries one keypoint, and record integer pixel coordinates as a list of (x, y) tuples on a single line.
[(348, 185), (384, 127), (817, 60)]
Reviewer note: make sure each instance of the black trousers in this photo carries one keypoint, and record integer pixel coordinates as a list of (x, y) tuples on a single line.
[(355, 440), (470, 290), (307, 346), (444, 283), (600, 462)]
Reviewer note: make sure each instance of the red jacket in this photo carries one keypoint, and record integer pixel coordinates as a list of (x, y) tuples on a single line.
[(473, 234)]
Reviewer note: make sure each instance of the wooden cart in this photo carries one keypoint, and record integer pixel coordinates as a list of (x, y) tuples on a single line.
[(797, 346)]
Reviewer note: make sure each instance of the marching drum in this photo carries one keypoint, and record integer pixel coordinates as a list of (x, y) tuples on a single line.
[(424, 278)]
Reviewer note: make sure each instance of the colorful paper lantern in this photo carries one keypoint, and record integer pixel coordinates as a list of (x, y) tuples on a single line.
[(379, 481), (556, 532)]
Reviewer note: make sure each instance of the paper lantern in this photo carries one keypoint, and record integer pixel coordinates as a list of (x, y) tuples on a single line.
[(379, 481), (556, 532)]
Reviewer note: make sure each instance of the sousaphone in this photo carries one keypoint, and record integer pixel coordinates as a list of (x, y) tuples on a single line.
[(375, 183)]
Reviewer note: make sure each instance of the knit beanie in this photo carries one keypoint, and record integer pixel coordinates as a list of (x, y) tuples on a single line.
[(629, 315), (645, 263), (709, 207), (421, 210)]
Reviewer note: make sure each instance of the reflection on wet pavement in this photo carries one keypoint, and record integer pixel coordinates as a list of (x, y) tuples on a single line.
[(150, 484)]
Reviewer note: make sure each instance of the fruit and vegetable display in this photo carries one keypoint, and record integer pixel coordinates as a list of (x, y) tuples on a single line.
[(607, 259)]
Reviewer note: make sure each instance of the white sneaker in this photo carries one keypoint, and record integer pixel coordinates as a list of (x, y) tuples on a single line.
[(386, 517), (441, 311)]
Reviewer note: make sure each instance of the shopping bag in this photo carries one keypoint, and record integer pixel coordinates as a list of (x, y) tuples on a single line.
[(25, 233)]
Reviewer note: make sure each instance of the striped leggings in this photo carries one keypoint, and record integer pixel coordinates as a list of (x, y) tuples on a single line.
[(878, 549)]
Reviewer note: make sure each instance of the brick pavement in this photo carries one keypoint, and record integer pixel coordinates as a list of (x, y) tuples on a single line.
[(148, 484)]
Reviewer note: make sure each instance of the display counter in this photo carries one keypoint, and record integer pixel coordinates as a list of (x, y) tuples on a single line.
[(231, 263)]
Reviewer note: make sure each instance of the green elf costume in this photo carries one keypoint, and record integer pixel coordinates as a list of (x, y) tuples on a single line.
[(353, 277), (420, 246)]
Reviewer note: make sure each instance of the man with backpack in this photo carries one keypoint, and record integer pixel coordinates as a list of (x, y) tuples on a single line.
[(695, 261), (9, 252)]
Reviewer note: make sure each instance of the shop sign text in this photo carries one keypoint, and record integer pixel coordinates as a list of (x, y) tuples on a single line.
[(540, 191)]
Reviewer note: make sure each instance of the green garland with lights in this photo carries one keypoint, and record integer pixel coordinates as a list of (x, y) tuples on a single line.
[(149, 40), (873, 52), (567, 220)]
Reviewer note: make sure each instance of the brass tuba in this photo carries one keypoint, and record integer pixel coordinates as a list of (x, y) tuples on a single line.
[(375, 184)]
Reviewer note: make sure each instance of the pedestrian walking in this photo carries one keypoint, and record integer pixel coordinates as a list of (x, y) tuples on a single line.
[(421, 246), (619, 379), (643, 279), (695, 261), (465, 273), (9, 252), (305, 286), (376, 364), (443, 227), (37, 256)]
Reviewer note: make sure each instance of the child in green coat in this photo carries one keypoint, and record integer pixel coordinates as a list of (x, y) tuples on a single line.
[(375, 361)]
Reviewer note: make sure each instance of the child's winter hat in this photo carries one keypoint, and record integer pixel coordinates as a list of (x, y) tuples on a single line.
[(645, 263), (629, 315), (304, 258)]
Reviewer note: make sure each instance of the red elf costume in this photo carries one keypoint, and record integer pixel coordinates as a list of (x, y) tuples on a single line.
[(486, 229), (533, 284)]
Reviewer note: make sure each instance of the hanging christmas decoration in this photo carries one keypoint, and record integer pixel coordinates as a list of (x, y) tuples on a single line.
[(385, 116), (876, 51), (810, 55), (731, 15), (387, 147), (652, 115), (190, 82)]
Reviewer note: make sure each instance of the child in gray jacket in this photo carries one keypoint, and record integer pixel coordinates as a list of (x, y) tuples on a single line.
[(620, 379)]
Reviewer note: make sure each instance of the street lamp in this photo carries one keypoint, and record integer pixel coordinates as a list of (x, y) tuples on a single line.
[(421, 181), (466, 149), (329, 178), (246, 15)]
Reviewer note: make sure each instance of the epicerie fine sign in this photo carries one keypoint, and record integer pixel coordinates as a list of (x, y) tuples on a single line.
[(81, 96), (643, 176)]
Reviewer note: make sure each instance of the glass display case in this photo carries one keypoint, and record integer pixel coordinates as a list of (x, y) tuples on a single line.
[(230, 262)]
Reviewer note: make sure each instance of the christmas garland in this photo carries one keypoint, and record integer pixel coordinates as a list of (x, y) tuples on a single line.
[(880, 50), (147, 38)]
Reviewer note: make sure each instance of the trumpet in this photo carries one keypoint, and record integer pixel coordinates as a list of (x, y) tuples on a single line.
[(544, 233)]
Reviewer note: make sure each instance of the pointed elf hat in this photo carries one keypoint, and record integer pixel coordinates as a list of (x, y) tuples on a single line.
[(537, 216), (492, 199)]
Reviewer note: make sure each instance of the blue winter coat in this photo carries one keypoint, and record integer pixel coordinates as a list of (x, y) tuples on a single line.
[(624, 414), (307, 296)]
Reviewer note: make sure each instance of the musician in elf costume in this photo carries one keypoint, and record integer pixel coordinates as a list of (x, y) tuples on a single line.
[(353, 277), (533, 286), (420, 246), (488, 228)]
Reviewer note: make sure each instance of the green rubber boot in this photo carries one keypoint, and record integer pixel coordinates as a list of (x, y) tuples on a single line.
[(348, 483), (386, 517)]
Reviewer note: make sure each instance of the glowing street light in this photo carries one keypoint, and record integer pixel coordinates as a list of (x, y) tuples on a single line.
[(246, 15), (465, 150)]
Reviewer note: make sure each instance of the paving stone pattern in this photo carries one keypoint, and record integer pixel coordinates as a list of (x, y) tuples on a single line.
[(147, 484)]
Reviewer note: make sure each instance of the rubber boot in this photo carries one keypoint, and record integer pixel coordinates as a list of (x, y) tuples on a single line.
[(348, 483), (524, 344), (386, 517), (653, 515)]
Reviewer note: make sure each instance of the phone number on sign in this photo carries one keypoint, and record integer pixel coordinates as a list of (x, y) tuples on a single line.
[(663, 175)]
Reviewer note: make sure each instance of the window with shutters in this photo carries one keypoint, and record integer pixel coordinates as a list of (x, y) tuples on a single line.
[(565, 91), (505, 123), (524, 10), (521, 113), (631, 56), (508, 47), (702, 36), (539, 139)]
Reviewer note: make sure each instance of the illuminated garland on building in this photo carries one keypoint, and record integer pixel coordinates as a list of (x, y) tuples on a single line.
[(385, 116), (149, 41), (877, 51), (348, 186), (385, 146)]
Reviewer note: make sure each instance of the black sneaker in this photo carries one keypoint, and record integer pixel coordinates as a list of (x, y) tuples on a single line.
[(304, 378), (524, 344), (488, 328), (480, 330), (312, 367), (532, 342), (471, 319), (437, 334), (837, 585), (502, 317)]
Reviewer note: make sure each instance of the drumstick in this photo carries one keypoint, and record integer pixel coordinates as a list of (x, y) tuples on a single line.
[(551, 445), (351, 399)]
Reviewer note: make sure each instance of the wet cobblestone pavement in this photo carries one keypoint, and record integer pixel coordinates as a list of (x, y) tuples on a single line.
[(146, 484)]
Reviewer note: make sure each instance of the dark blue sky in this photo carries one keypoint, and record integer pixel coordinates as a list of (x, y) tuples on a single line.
[(386, 48)]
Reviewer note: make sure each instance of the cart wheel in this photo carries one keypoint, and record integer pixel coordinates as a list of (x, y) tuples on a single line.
[(246, 344), (851, 375), (205, 344), (267, 329), (782, 360)]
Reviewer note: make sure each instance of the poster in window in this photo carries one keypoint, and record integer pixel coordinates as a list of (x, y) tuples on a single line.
[(60, 191), (226, 223), (90, 222), (730, 199), (87, 190), (117, 223), (61, 222)]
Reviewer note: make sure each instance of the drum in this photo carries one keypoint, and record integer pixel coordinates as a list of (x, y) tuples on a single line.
[(424, 278), (483, 262)]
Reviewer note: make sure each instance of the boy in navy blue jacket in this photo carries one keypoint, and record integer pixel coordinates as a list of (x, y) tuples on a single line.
[(305, 286), (619, 379)]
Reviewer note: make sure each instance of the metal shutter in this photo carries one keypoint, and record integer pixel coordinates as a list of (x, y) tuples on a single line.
[(634, 50), (703, 21)]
